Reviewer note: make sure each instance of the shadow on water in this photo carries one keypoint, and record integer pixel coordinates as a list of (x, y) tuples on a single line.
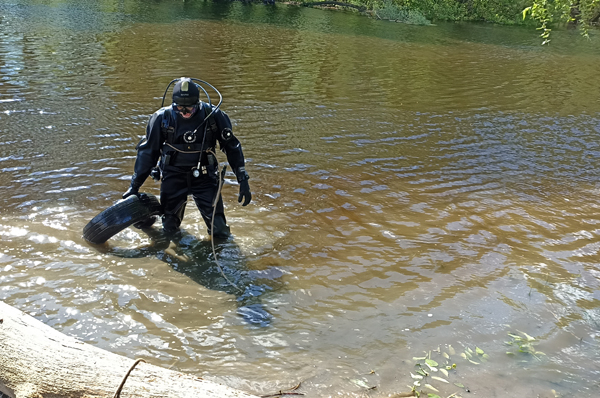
[(195, 259)]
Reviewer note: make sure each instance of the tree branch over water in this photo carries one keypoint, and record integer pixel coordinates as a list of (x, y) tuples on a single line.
[(581, 12)]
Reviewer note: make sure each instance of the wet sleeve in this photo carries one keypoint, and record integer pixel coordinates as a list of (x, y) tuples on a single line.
[(231, 146), (148, 151)]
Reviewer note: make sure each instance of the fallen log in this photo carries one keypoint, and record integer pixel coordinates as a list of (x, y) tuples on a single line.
[(334, 3), (37, 361)]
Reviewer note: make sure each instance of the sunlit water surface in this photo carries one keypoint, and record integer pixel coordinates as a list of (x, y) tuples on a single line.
[(414, 188)]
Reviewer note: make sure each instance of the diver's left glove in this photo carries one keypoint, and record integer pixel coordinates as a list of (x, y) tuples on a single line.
[(245, 193)]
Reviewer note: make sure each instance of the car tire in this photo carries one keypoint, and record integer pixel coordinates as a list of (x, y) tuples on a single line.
[(139, 211)]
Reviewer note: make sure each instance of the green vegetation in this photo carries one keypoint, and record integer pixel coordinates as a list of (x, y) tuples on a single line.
[(391, 12), (543, 13), (551, 12), (431, 374), (523, 344)]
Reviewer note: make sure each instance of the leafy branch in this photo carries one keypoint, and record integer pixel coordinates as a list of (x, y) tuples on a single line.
[(547, 12)]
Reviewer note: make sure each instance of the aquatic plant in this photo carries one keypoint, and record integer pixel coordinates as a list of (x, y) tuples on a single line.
[(428, 371), (524, 344)]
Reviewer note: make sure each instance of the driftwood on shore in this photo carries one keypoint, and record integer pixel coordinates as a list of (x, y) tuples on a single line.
[(334, 3), (37, 361)]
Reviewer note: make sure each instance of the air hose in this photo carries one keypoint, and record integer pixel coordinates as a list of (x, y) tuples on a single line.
[(212, 227)]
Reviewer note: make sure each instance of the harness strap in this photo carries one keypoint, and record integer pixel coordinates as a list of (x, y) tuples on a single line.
[(189, 148), (211, 119), (168, 128), (185, 148)]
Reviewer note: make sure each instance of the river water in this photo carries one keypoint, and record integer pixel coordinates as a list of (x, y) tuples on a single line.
[(417, 191)]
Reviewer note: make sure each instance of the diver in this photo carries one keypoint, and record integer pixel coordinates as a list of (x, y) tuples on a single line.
[(184, 137)]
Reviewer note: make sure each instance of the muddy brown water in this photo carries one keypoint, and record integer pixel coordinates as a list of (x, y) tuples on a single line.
[(415, 188)]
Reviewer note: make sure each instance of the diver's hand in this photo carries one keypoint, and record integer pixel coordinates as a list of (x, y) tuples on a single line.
[(131, 191), (245, 193)]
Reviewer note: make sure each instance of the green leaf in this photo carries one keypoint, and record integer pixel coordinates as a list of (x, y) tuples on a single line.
[(460, 385), (479, 351), (525, 11), (432, 388), (444, 371), (431, 362), (528, 337), (433, 368), (430, 395)]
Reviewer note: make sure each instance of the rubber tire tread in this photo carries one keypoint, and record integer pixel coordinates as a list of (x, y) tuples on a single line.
[(119, 216)]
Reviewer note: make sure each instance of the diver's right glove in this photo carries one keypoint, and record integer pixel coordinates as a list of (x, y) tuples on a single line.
[(134, 189)]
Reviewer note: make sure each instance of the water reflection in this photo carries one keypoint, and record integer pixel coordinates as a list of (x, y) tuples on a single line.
[(194, 258)]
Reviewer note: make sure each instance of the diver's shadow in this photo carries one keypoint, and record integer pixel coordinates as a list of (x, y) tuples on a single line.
[(195, 259)]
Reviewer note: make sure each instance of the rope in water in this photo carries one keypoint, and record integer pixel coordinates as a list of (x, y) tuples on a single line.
[(212, 228)]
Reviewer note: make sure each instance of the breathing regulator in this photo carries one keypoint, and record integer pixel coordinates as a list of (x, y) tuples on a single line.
[(189, 96)]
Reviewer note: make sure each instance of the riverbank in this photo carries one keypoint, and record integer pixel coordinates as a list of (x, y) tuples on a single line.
[(27, 345), (503, 12), (428, 12)]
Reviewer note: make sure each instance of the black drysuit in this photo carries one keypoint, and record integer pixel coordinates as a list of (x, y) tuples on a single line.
[(183, 146)]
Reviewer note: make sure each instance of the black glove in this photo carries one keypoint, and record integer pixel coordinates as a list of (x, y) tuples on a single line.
[(131, 191), (134, 189), (245, 193)]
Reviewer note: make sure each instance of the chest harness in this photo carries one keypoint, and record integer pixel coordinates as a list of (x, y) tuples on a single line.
[(171, 149)]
